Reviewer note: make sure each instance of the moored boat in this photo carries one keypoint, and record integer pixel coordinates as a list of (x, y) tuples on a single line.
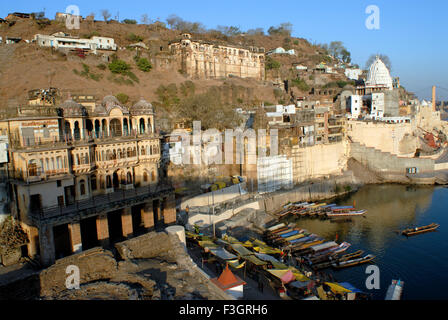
[(414, 231), (353, 262), (346, 213)]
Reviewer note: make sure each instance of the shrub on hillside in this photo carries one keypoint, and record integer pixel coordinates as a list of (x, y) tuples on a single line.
[(130, 21), (122, 97), (119, 66), (144, 65), (134, 38)]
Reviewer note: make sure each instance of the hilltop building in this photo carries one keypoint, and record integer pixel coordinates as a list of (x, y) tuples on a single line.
[(209, 60), (85, 175), (378, 97), (61, 40)]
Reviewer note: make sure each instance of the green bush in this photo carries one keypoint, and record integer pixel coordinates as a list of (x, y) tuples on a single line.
[(134, 38), (119, 66), (102, 66), (144, 65), (272, 64), (122, 97), (301, 84), (130, 21)]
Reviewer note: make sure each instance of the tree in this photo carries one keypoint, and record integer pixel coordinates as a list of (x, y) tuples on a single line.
[(383, 58), (144, 65), (119, 66), (106, 14), (229, 31), (177, 23), (284, 29), (255, 32), (145, 19), (335, 48), (272, 64), (130, 21), (346, 56), (122, 97)]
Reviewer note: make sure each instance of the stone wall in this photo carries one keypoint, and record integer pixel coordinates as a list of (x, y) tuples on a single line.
[(318, 161), (384, 162)]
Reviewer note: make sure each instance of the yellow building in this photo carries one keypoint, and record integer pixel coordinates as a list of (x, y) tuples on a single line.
[(85, 175)]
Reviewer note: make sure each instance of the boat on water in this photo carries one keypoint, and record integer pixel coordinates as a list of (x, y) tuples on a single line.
[(419, 230), (394, 291), (353, 262), (346, 213), (333, 259)]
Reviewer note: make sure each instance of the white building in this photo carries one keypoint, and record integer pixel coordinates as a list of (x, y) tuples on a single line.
[(62, 40), (379, 76), (355, 105), (377, 110), (353, 74)]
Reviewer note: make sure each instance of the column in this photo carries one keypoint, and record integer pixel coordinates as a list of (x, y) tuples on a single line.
[(33, 245), (169, 213), (126, 222), (46, 245), (75, 236), (102, 230), (148, 215)]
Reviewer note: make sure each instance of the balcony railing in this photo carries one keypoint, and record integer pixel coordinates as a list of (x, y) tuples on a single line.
[(99, 203)]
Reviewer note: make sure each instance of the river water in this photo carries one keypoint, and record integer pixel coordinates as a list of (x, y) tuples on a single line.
[(420, 261)]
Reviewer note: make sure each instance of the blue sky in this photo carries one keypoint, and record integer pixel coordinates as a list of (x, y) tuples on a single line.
[(412, 33)]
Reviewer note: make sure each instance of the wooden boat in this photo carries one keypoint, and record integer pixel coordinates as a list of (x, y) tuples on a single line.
[(346, 213), (414, 231), (394, 291), (353, 262), (349, 256)]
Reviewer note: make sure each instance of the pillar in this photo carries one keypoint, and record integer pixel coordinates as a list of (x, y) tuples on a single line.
[(46, 245), (169, 213), (126, 222), (148, 215), (33, 245), (75, 236), (102, 230)]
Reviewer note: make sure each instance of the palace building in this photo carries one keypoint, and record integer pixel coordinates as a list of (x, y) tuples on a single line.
[(84, 174), (209, 60)]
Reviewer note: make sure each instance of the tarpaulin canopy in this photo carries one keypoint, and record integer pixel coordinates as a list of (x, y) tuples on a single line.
[(349, 286), (241, 250), (223, 254), (254, 260), (257, 242), (288, 277), (294, 237), (299, 284), (236, 264), (267, 250), (266, 257), (280, 273), (277, 226), (323, 246), (337, 288), (208, 244)]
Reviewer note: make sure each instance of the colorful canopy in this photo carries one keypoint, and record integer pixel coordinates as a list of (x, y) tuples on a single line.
[(337, 288), (223, 254)]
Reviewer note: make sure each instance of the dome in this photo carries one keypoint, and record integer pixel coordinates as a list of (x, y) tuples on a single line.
[(142, 107), (72, 109), (110, 102), (379, 75)]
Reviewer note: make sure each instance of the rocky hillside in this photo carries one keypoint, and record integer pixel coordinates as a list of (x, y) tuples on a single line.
[(25, 66)]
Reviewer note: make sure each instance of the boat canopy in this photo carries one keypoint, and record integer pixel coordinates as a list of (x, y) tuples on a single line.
[(266, 257), (341, 208), (350, 287), (241, 250), (278, 226), (223, 254), (299, 284), (253, 259), (289, 234), (337, 287)]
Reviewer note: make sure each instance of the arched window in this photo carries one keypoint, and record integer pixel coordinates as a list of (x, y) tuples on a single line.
[(129, 152), (153, 176), (145, 176), (143, 151), (129, 178)]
